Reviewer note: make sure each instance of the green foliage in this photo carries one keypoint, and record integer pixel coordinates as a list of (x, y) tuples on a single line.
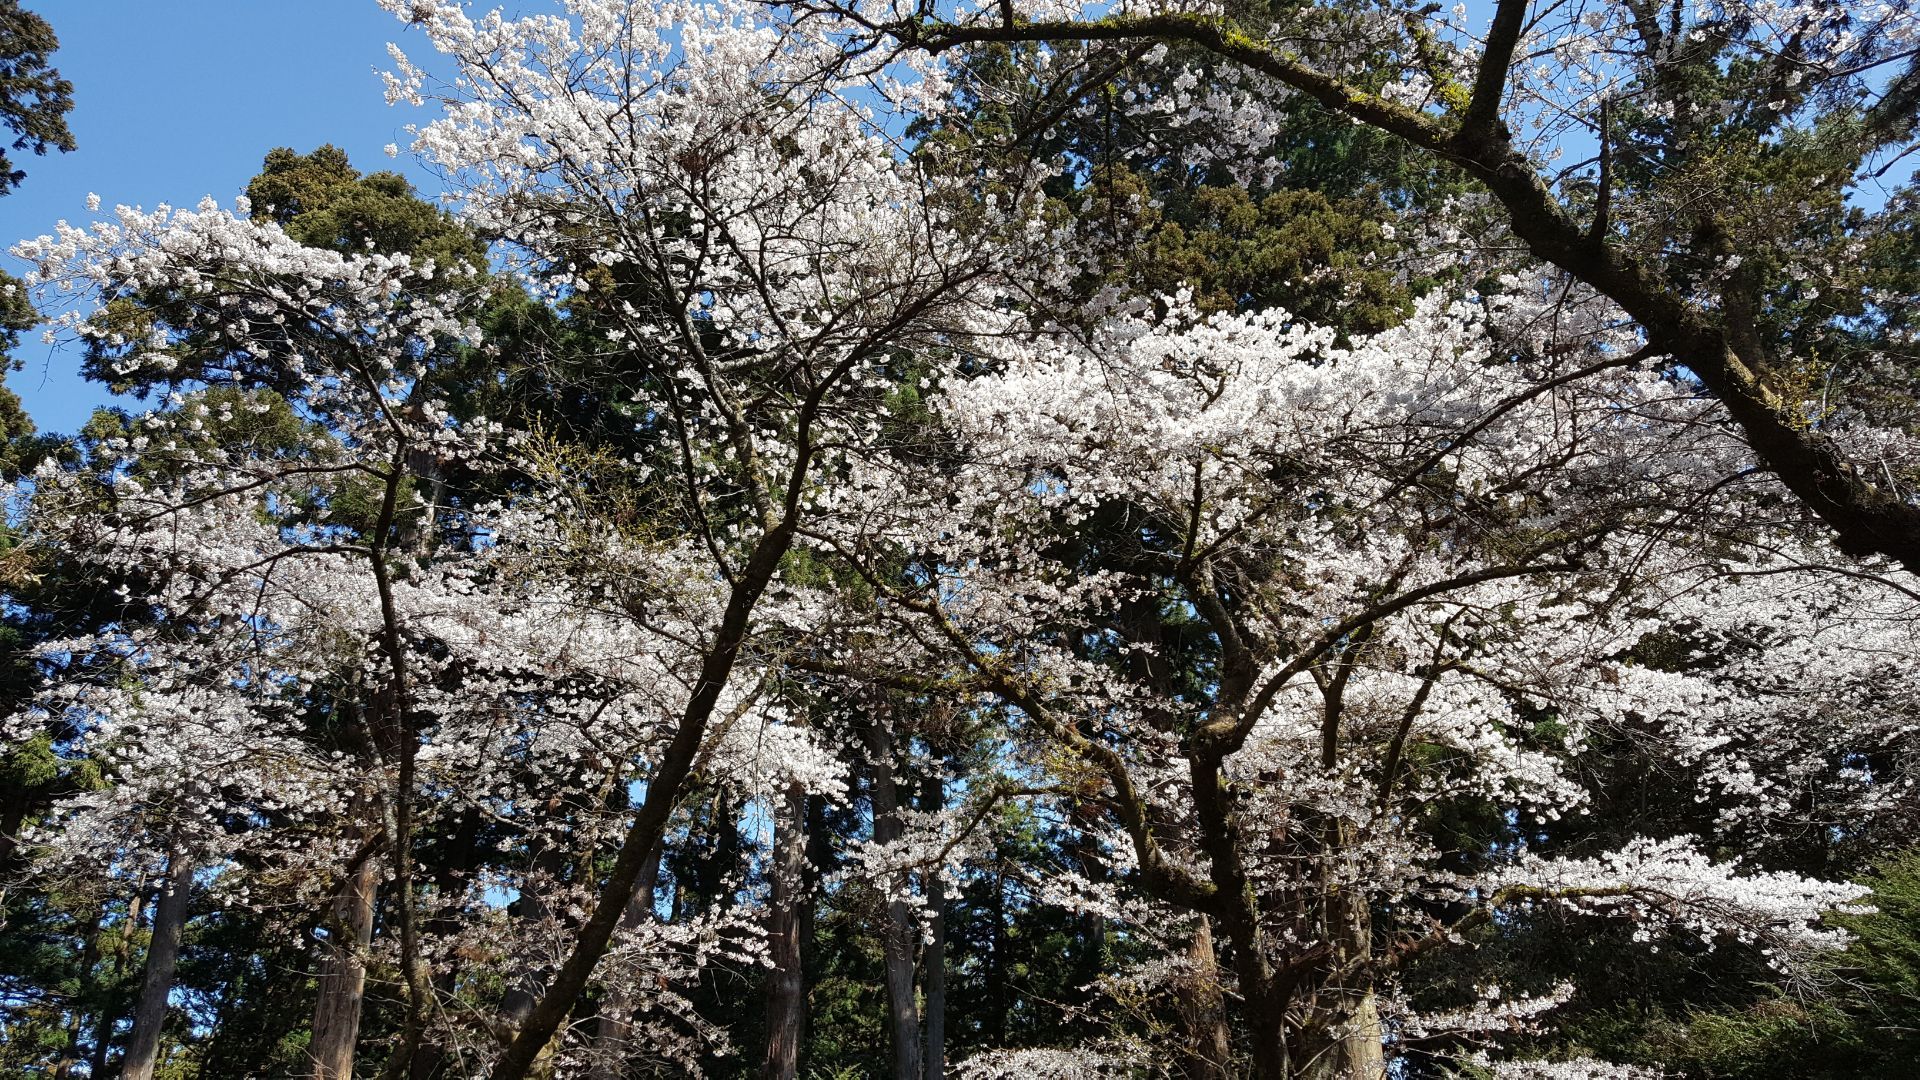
[(1319, 240), (847, 998), (1322, 259), (31, 763), (1727, 1021), (323, 201), (34, 99), (20, 450), (17, 314)]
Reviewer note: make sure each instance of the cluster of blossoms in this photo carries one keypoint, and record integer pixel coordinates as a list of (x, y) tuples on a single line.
[(1670, 882), (1584, 1068)]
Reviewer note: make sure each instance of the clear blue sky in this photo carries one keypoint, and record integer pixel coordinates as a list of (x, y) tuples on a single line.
[(178, 99)]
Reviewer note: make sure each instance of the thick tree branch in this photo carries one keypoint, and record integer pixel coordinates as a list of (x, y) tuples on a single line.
[(1490, 83), (1865, 519), (1225, 735)]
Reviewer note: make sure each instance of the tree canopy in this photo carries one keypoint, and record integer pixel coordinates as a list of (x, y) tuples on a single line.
[(1318, 542)]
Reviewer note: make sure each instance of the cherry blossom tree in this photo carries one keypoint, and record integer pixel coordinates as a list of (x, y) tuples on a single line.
[(757, 260), (1274, 601), (1714, 123), (874, 518)]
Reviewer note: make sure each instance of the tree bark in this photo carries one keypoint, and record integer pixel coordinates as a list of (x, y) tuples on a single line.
[(163, 950), (1346, 1041), (903, 1013), (613, 1028), (933, 799), (1209, 1048), (1266, 997), (787, 983), (13, 818), (1341, 1038), (89, 959), (122, 957), (343, 975), (1266, 1004), (716, 861)]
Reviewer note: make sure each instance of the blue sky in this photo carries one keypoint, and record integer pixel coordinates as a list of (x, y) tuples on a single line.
[(179, 99)]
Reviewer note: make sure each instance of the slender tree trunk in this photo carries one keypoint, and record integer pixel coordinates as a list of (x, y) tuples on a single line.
[(122, 957), (722, 857), (343, 975), (549, 863), (1209, 1048), (1348, 1044), (89, 959), (150, 1013), (663, 790), (897, 938), (1085, 850), (13, 818), (1266, 1005), (613, 1028), (937, 983), (70, 1056), (933, 799), (1265, 996), (903, 1012), (102, 1043), (999, 994), (447, 873), (820, 860), (787, 982)]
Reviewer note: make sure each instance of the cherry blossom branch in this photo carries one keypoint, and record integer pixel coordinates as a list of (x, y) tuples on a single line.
[(1159, 872), (1223, 736), (1506, 406), (1490, 83), (1864, 517)]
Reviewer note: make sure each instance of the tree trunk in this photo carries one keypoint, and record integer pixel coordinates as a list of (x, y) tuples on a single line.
[(663, 791), (122, 957), (787, 983), (718, 860), (89, 959), (343, 975), (999, 993), (1265, 995), (1266, 1005), (531, 908), (1093, 950), (150, 1014), (933, 799), (903, 1013), (1341, 1038), (447, 873), (13, 818), (613, 1028), (1208, 1052), (1346, 1037)]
